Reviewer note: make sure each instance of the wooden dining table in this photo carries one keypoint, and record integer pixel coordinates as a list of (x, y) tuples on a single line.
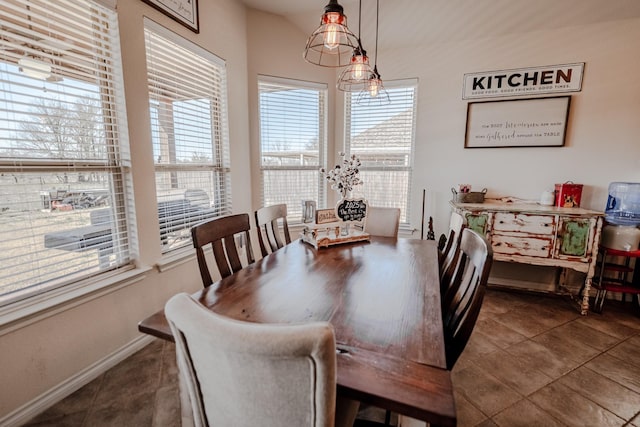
[(382, 298)]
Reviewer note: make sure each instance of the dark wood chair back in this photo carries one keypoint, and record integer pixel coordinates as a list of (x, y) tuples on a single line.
[(463, 299), (220, 233), (449, 254), (267, 222)]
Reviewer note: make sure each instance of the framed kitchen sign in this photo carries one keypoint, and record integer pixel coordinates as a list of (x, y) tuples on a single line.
[(527, 82), (529, 122), (182, 11)]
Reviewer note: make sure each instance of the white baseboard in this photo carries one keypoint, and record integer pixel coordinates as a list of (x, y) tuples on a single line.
[(72, 384)]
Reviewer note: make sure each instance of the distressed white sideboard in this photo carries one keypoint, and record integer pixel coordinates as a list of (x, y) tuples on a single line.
[(539, 235)]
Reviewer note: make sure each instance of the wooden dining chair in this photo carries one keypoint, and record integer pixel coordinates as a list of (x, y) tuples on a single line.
[(268, 220), (462, 300), (447, 257), (236, 373), (382, 221), (221, 234)]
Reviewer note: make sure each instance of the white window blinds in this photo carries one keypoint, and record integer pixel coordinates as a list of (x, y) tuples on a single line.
[(64, 160), (292, 142), (188, 102), (383, 138)]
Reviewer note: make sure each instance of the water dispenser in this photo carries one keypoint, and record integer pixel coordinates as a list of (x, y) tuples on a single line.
[(623, 204)]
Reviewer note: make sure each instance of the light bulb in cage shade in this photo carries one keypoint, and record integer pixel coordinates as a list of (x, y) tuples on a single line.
[(359, 66), (374, 87), (334, 22)]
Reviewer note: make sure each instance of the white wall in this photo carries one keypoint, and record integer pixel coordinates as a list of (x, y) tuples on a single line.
[(602, 140), (44, 352)]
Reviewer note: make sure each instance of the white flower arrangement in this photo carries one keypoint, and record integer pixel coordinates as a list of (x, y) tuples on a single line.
[(344, 177)]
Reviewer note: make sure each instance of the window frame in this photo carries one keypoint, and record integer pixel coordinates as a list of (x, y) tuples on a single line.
[(411, 83), (322, 89), (116, 165), (220, 149)]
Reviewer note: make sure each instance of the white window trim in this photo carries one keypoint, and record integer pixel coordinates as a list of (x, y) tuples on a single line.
[(172, 257), (33, 303), (322, 159), (405, 226)]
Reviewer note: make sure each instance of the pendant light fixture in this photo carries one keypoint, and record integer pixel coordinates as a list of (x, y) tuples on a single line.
[(374, 92), (354, 77), (332, 43)]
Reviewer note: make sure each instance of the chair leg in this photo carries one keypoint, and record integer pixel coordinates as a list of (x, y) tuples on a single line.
[(387, 418)]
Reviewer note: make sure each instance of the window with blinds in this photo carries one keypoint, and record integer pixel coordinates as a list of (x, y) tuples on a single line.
[(292, 142), (188, 103), (383, 137), (64, 159)]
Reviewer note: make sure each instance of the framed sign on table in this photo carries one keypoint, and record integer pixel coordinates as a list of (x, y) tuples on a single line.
[(182, 11), (528, 122)]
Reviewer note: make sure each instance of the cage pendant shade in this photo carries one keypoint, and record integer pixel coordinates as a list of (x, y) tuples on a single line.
[(332, 43), (354, 77), (373, 92)]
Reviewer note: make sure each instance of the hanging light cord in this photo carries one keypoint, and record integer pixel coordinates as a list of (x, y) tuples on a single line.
[(360, 26), (375, 60)]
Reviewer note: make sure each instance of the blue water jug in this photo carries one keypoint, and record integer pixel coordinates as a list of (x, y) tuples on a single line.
[(623, 204)]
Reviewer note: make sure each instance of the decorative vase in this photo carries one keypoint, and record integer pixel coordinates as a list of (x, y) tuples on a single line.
[(345, 195)]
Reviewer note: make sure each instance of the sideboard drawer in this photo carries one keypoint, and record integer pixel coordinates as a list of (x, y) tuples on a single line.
[(539, 247), (524, 223)]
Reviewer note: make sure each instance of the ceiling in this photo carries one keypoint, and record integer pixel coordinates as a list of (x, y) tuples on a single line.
[(420, 22)]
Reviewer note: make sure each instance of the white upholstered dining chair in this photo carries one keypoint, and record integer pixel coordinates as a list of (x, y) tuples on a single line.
[(382, 221), (238, 373)]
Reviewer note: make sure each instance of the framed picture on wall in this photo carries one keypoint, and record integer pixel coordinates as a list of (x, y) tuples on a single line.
[(182, 11), (528, 122)]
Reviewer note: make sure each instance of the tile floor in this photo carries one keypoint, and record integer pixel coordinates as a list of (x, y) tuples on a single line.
[(531, 361)]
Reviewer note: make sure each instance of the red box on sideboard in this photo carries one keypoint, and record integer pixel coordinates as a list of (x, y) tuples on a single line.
[(568, 195)]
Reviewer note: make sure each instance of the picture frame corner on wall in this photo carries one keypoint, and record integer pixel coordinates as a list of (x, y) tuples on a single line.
[(184, 12), (517, 122)]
